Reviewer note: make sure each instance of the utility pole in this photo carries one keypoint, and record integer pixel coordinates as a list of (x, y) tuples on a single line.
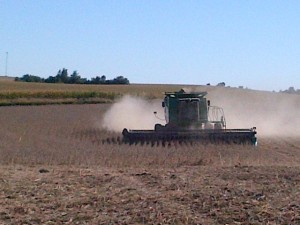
[(6, 64)]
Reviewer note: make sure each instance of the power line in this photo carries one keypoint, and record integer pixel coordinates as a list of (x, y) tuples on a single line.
[(6, 63)]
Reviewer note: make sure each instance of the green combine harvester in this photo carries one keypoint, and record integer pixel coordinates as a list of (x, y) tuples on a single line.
[(190, 118)]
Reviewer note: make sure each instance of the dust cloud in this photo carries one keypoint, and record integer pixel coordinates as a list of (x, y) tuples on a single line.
[(133, 113), (273, 114)]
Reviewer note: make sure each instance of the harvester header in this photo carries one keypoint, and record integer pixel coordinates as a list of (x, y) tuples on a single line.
[(190, 117)]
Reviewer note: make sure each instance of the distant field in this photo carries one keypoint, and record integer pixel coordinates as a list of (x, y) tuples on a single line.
[(6, 78), (136, 89), (22, 93)]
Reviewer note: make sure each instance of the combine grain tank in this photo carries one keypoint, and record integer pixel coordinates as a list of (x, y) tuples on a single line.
[(190, 118)]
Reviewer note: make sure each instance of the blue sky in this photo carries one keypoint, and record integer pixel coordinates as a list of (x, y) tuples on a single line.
[(254, 44)]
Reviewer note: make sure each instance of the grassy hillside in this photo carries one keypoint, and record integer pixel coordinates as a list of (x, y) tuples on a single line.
[(14, 93), (22, 93), (138, 89)]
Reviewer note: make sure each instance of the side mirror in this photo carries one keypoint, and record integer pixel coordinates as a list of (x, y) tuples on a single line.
[(163, 104), (208, 102)]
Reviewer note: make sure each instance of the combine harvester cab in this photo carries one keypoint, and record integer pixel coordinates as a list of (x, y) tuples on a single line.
[(190, 118)]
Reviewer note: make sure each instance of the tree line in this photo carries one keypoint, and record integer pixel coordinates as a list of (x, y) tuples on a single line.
[(63, 77), (291, 90)]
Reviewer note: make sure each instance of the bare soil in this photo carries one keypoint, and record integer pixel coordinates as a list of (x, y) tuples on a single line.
[(55, 169), (185, 195)]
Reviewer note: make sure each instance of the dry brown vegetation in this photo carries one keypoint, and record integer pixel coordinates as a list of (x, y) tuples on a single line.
[(24, 93), (55, 169), (148, 90)]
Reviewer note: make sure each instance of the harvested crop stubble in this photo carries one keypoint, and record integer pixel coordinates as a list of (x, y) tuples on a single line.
[(55, 169), (72, 135), (185, 195)]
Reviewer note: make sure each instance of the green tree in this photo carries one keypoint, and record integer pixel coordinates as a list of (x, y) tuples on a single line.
[(64, 76), (30, 78), (75, 78), (103, 79)]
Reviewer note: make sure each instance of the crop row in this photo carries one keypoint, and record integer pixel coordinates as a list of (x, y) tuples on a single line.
[(58, 95), (55, 97)]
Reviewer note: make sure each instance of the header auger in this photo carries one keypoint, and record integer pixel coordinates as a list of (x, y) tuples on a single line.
[(190, 118)]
